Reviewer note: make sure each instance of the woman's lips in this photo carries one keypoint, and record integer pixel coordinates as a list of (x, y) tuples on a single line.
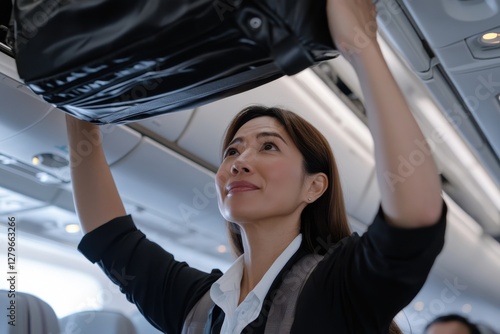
[(240, 186)]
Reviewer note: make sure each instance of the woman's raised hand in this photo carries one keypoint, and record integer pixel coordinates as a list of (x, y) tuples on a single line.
[(353, 25), (408, 202)]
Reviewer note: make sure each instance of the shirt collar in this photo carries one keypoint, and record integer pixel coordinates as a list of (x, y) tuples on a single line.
[(225, 292)]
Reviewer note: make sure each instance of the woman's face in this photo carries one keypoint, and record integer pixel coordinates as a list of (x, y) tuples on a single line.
[(261, 176)]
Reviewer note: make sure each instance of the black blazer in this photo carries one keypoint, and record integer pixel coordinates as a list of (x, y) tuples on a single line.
[(359, 286)]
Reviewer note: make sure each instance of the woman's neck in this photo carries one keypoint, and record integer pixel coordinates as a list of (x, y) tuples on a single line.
[(263, 244)]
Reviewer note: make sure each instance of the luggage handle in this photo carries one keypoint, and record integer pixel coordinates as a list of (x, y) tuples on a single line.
[(288, 53)]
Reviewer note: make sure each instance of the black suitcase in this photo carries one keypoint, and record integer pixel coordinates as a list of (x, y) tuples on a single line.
[(116, 61)]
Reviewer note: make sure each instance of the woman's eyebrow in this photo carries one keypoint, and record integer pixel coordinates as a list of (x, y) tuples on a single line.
[(260, 135), (271, 134)]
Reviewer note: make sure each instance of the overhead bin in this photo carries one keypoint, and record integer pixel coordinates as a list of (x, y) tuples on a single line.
[(469, 65), (31, 130), (457, 19), (8, 67), (185, 241), (460, 152), (167, 126), (471, 191), (12, 201), (20, 108), (155, 221), (308, 96), (396, 28), (34, 194), (50, 222), (171, 186), (482, 91), (477, 82), (203, 137), (48, 137)]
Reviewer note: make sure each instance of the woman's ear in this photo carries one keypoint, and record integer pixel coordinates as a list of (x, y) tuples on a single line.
[(317, 185)]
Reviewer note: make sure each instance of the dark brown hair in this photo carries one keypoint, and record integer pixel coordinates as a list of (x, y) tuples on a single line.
[(323, 221), (457, 318)]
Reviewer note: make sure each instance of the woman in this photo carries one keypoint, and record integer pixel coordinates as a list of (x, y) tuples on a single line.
[(279, 189)]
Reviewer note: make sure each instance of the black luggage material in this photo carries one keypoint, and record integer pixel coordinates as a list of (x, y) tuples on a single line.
[(5, 23), (117, 61)]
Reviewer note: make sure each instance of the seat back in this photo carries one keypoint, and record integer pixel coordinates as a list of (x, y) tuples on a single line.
[(142, 326), (23, 313), (94, 322)]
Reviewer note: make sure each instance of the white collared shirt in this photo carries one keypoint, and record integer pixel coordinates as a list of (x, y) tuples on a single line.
[(225, 292)]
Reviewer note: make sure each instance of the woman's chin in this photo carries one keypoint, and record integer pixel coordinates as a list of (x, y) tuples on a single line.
[(239, 216)]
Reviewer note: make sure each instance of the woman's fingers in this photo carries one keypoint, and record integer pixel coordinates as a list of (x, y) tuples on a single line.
[(353, 24)]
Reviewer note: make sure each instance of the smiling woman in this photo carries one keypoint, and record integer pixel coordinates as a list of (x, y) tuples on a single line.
[(312, 156), (279, 189)]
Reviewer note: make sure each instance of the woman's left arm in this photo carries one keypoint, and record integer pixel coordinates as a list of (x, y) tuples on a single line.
[(413, 199)]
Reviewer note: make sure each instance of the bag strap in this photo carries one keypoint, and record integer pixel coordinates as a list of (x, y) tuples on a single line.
[(282, 311), (197, 318)]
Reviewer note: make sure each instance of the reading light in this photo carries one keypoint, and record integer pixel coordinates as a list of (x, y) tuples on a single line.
[(466, 308), (33, 170), (490, 38), (49, 160), (419, 306), (485, 45), (72, 228), (222, 249)]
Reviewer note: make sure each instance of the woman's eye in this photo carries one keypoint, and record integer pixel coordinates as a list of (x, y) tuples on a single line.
[(230, 151), (269, 146)]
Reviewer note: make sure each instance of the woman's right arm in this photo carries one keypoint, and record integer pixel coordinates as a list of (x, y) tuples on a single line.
[(95, 194), (163, 289)]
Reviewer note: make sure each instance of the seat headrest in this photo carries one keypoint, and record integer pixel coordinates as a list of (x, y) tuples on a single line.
[(93, 322), (28, 313)]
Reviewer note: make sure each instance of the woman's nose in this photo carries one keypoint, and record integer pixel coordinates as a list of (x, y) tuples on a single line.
[(241, 165), (237, 168)]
